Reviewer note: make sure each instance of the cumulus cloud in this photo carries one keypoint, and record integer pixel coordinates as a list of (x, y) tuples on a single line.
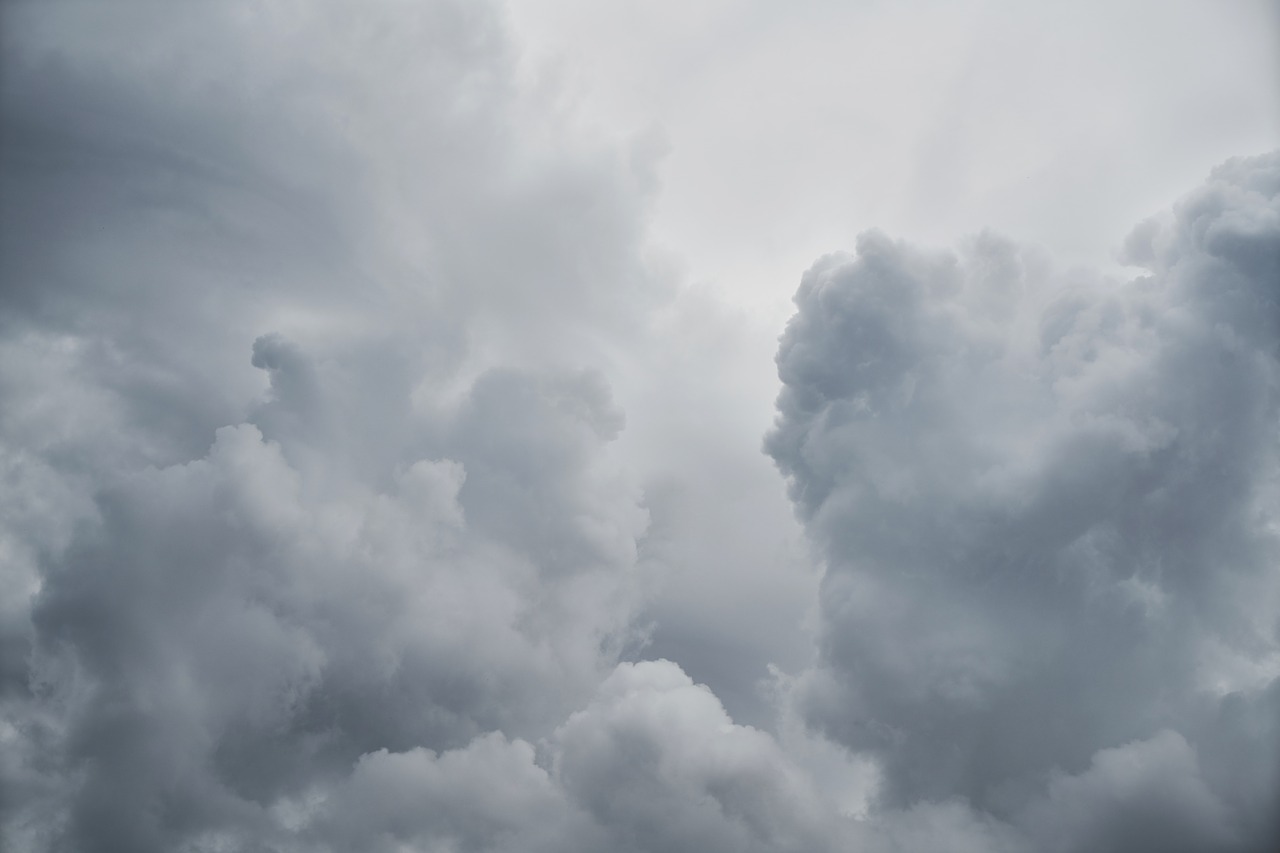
[(651, 763), (316, 533), (229, 628), (323, 526), (1047, 507), (655, 758), (305, 454)]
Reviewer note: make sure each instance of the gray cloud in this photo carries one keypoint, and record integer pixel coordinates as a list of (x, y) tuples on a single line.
[(234, 627), (275, 496), (322, 526), (651, 763), (316, 530), (656, 760), (1047, 513)]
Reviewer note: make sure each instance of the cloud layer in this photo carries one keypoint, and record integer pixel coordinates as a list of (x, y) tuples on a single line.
[(320, 527)]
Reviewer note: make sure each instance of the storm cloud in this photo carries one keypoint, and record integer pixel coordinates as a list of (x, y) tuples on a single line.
[(1047, 511), (285, 485), (370, 479)]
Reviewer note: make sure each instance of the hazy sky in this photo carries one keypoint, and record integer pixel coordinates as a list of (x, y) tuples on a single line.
[(560, 425)]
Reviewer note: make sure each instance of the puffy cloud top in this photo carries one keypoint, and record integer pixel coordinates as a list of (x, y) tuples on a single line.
[(1049, 517)]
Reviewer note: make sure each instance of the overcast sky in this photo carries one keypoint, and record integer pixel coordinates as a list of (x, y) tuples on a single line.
[(454, 425)]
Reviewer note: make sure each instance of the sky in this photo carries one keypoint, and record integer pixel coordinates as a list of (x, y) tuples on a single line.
[(457, 425)]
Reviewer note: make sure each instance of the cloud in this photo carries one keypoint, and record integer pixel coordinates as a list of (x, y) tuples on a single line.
[(323, 526), (651, 763), (1143, 795), (657, 760), (306, 456), (1047, 509), (490, 795), (316, 527), (231, 629)]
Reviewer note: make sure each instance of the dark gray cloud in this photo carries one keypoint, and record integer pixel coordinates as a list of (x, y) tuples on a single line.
[(1048, 514)]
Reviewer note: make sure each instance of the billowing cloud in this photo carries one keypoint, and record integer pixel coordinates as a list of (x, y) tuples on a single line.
[(316, 531), (351, 429), (305, 451), (656, 759), (1048, 510), (651, 763)]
